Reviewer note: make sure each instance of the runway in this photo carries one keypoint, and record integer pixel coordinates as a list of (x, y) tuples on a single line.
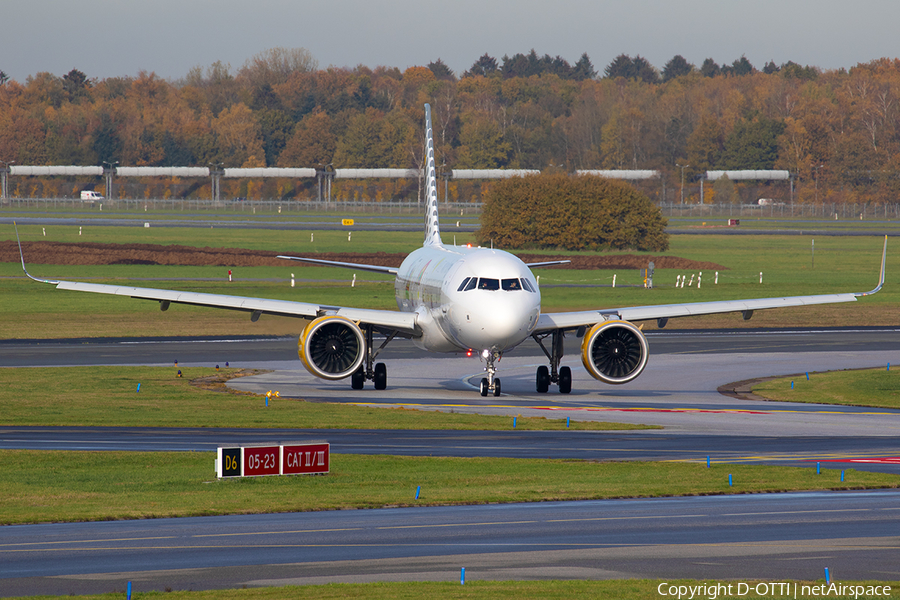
[(769, 537), (775, 537)]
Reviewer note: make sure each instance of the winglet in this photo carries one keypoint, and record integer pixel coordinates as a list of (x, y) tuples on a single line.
[(881, 278), (432, 226), (22, 257)]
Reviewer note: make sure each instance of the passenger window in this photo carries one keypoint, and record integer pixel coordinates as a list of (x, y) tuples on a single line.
[(488, 284), (511, 285), (472, 283), (463, 284)]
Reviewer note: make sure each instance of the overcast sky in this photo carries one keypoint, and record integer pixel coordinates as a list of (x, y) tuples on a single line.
[(106, 38)]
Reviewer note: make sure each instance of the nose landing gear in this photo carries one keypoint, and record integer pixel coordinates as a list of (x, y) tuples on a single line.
[(490, 383)]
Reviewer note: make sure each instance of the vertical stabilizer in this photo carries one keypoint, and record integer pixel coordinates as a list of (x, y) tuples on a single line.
[(432, 226)]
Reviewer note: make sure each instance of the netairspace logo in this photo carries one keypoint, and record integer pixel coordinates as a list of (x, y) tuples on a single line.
[(711, 591)]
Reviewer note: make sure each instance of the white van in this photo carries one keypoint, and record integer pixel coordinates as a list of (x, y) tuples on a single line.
[(90, 195)]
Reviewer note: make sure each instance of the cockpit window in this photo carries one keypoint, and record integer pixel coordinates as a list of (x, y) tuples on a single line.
[(511, 285), (472, 283), (527, 285), (488, 284), (463, 284)]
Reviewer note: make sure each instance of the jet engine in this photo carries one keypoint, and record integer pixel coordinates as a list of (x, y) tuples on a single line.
[(332, 347), (614, 351)]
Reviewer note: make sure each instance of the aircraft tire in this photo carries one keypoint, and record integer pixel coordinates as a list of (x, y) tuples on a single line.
[(358, 379), (484, 386), (565, 380), (496, 387), (543, 379), (380, 376)]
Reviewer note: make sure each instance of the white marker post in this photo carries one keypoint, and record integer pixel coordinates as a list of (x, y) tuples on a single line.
[(292, 280)]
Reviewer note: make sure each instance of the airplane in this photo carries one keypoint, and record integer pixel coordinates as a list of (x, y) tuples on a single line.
[(462, 299)]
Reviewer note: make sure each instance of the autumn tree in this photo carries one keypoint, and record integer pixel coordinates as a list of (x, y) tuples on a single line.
[(239, 138), (276, 65), (556, 211), (481, 144), (312, 143)]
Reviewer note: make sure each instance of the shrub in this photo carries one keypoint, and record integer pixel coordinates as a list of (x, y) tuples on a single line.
[(570, 213)]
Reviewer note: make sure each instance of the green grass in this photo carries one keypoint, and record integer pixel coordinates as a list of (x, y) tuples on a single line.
[(108, 396), (625, 589), (877, 388), (842, 264), (48, 486)]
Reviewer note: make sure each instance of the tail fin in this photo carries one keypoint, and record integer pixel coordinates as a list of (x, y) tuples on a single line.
[(432, 226)]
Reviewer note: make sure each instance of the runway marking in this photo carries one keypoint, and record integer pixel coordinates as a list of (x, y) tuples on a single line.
[(645, 409), (886, 460), (572, 408)]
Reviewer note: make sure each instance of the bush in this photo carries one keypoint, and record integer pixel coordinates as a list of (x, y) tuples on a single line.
[(570, 213)]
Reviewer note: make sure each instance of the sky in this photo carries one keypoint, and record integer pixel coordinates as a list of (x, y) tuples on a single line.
[(111, 38)]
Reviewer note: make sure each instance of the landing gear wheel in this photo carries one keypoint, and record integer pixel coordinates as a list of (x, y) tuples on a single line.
[(358, 379), (543, 379), (380, 376), (565, 380), (484, 386), (496, 387)]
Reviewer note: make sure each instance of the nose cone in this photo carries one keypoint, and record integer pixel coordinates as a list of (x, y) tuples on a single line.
[(499, 320)]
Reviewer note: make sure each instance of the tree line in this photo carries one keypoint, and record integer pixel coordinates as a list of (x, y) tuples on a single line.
[(838, 131)]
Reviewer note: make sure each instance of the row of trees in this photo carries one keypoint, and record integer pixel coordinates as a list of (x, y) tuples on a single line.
[(839, 129)]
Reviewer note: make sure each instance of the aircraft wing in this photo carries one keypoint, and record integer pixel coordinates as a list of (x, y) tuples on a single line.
[(345, 265), (574, 320), (401, 322)]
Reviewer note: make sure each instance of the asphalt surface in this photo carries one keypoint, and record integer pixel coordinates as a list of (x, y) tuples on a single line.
[(770, 537), (778, 537)]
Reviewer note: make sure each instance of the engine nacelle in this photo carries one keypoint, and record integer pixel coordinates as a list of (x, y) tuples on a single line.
[(614, 351), (332, 347)]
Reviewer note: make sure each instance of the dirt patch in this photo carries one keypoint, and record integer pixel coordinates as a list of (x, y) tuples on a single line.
[(216, 383), (59, 253)]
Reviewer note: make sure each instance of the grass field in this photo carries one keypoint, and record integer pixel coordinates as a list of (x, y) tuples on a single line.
[(108, 397), (49, 486), (879, 388), (626, 589), (30, 310)]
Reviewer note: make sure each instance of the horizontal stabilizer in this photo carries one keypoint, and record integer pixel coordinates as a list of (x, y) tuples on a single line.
[(549, 263), (344, 265)]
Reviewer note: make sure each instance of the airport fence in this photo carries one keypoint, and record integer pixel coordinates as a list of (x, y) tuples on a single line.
[(187, 206), (835, 211)]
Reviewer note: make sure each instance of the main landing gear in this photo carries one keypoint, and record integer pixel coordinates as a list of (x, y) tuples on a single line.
[(555, 374), (490, 383), (377, 372)]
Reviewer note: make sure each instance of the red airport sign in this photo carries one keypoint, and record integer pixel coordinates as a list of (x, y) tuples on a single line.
[(305, 458), (283, 459), (261, 460)]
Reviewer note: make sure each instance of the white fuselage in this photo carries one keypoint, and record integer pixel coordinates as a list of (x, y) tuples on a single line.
[(468, 298)]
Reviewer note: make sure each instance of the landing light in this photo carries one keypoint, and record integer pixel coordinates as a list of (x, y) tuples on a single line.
[(485, 353)]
